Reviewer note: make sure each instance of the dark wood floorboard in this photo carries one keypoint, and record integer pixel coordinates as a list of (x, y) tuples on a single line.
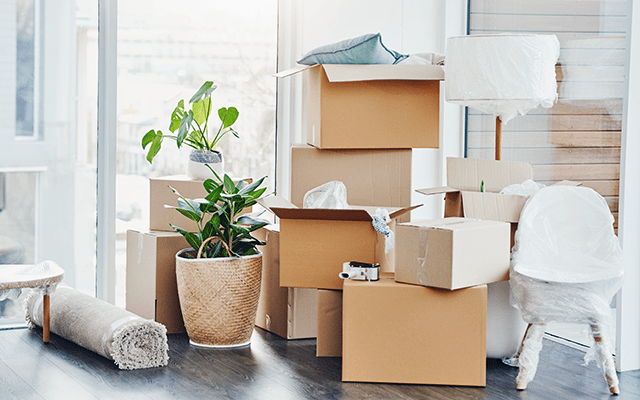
[(272, 368)]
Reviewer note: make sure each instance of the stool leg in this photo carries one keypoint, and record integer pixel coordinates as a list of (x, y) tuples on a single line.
[(605, 359), (45, 318), (529, 355)]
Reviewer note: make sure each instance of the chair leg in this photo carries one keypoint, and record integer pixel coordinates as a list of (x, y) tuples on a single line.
[(605, 359), (528, 356), (45, 318)]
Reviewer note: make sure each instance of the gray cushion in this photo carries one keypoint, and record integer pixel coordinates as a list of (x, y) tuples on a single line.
[(367, 49)]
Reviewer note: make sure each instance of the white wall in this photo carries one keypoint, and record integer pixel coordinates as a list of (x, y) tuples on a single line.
[(407, 26)]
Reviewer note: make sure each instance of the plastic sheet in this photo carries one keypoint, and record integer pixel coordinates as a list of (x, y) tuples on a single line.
[(331, 195), (566, 263), (504, 75), (380, 223)]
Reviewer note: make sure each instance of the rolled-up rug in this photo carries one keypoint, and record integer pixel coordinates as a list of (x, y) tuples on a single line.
[(130, 341)]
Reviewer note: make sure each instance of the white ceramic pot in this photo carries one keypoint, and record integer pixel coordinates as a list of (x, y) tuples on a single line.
[(196, 168)]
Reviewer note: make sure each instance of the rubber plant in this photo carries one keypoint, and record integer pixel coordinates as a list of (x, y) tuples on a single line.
[(191, 127), (222, 231)]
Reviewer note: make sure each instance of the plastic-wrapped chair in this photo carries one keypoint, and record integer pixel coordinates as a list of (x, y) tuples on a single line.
[(44, 276), (566, 267)]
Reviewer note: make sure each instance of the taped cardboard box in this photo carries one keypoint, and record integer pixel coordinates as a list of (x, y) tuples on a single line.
[(372, 177), (329, 342), (452, 253), (372, 106), (160, 195), (151, 288), (288, 312), (314, 243), (399, 333)]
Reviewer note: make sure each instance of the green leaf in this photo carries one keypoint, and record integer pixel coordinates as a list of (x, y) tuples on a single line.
[(205, 91), (156, 144), (229, 185), (248, 219), (258, 193), (201, 110), (241, 185), (250, 188), (209, 184), (214, 173), (228, 116), (192, 239), (148, 138), (176, 116), (189, 214), (214, 195), (189, 205), (185, 125)]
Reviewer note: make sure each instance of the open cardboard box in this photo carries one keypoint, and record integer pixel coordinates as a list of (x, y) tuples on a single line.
[(464, 199), (372, 106), (315, 242)]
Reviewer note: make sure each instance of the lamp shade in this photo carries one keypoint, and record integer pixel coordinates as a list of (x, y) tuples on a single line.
[(502, 74)]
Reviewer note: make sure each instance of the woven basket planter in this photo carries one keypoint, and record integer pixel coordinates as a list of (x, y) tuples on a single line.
[(219, 298)]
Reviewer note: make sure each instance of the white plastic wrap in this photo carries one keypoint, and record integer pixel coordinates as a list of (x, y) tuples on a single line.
[(504, 75), (527, 188), (331, 195), (566, 263)]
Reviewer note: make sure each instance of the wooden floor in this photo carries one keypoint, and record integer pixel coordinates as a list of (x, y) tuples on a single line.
[(272, 368)]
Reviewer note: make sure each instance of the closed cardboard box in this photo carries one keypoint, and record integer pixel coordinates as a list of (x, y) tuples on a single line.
[(399, 333), (372, 177), (314, 243), (288, 312), (372, 106), (151, 288), (161, 194), (452, 253), (329, 342)]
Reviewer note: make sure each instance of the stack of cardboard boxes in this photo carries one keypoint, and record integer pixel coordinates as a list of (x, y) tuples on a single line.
[(424, 321)]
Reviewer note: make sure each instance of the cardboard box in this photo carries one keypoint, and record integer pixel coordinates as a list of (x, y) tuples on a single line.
[(398, 333), (314, 243), (288, 312), (160, 195), (151, 288), (372, 177), (452, 253), (372, 106), (329, 342)]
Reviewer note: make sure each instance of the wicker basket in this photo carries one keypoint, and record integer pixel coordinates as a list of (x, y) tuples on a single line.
[(219, 298)]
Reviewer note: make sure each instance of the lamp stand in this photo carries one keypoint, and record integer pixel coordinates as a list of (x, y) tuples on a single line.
[(498, 139)]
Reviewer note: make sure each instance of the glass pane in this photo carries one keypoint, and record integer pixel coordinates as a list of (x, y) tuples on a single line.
[(48, 81), (166, 50)]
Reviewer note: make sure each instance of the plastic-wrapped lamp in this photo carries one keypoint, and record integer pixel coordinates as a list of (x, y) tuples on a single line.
[(504, 74)]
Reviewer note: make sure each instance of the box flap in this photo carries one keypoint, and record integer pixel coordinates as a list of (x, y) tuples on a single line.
[(271, 202), (468, 173), (436, 190), (292, 71), (567, 183), (493, 206), (376, 72)]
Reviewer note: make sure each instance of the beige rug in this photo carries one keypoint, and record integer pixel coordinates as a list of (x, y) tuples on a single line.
[(130, 341)]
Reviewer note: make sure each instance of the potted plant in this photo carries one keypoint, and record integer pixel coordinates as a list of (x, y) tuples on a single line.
[(219, 277), (191, 127)]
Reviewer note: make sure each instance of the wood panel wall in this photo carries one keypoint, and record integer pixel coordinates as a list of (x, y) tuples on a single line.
[(579, 138)]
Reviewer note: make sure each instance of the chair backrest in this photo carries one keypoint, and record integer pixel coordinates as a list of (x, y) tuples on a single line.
[(563, 225)]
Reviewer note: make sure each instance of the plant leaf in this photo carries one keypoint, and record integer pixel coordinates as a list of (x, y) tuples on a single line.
[(214, 195), (189, 214), (155, 146), (176, 116), (250, 188), (248, 219), (228, 116), (229, 186), (148, 138), (205, 91), (185, 125), (192, 239), (201, 110)]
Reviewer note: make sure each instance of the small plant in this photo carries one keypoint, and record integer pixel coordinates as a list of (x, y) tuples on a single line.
[(224, 234), (192, 126)]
